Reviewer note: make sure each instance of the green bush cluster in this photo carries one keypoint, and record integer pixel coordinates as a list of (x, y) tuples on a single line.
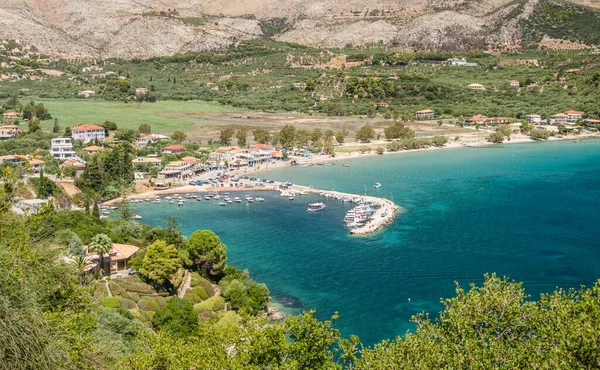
[(110, 302)]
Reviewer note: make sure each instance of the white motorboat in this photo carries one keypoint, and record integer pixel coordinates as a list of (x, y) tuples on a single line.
[(377, 185), (291, 197), (314, 207), (303, 192), (259, 199), (135, 216), (237, 200), (223, 204), (249, 199), (180, 202)]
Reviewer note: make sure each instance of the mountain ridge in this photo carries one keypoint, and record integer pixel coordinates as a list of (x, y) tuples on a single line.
[(130, 29)]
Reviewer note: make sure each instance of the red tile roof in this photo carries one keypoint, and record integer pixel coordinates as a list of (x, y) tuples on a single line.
[(87, 128), (174, 147)]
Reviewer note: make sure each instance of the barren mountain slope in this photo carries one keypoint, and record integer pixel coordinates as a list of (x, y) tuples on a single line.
[(136, 28)]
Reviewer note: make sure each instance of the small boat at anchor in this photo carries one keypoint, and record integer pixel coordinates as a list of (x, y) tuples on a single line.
[(315, 207), (259, 199), (222, 204), (135, 216), (237, 200), (377, 185)]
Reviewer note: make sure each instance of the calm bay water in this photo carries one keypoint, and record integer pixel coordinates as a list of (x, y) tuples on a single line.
[(527, 211)]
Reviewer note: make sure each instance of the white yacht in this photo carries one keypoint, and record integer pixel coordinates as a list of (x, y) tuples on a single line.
[(314, 207)]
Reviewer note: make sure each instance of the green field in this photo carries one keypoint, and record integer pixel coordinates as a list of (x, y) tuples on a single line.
[(163, 116)]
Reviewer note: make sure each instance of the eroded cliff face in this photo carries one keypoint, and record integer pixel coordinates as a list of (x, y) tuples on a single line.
[(130, 28)]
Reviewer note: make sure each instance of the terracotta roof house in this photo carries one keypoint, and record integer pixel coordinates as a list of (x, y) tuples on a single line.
[(476, 119), (591, 122), (425, 114), (93, 149), (73, 162), (117, 258), (574, 115), (263, 147), (87, 133), (173, 149)]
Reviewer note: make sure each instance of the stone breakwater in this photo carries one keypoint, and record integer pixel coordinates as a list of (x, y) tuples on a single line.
[(384, 215)]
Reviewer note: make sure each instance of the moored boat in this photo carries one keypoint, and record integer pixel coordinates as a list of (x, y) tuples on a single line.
[(377, 185), (314, 207)]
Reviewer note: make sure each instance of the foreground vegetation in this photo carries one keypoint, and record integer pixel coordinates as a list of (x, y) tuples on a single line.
[(54, 316)]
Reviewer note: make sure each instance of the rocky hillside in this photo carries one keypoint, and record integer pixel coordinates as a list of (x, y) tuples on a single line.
[(130, 28)]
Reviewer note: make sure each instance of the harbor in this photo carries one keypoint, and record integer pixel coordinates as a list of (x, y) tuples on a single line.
[(369, 214)]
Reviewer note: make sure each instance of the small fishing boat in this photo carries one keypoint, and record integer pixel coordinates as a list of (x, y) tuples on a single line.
[(207, 197), (223, 204), (171, 201), (180, 203), (249, 199), (168, 198), (346, 165), (314, 207), (291, 197), (377, 185), (156, 201), (259, 199), (237, 200), (135, 216)]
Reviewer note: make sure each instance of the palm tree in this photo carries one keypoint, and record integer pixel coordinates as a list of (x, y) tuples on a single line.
[(100, 244), (81, 262)]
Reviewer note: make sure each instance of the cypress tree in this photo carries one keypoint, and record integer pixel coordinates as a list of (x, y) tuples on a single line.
[(96, 210)]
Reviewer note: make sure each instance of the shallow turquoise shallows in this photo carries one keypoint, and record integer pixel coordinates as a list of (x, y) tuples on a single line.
[(527, 211)]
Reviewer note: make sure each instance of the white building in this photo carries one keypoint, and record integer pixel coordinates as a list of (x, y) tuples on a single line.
[(62, 148), (425, 114), (533, 118), (514, 83), (88, 133)]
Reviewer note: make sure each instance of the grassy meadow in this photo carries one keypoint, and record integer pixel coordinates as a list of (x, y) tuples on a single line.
[(192, 117)]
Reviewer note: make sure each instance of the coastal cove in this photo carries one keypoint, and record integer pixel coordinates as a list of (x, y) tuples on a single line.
[(456, 225)]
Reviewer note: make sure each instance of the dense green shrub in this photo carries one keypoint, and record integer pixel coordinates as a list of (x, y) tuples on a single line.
[(110, 302), (151, 303), (126, 303), (214, 303)]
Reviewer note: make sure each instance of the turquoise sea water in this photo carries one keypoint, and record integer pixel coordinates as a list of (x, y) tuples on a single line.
[(527, 211)]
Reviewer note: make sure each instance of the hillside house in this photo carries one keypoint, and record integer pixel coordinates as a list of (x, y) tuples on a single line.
[(476, 86), (460, 62), (76, 162), (16, 159), (36, 164), (153, 161), (62, 148), (146, 139), (559, 118), (574, 115), (591, 122), (425, 114), (514, 83), (8, 132), (11, 115), (87, 133), (92, 149), (117, 258), (533, 118), (173, 149)]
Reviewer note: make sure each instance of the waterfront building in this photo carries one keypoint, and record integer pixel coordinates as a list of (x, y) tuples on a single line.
[(533, 118)]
